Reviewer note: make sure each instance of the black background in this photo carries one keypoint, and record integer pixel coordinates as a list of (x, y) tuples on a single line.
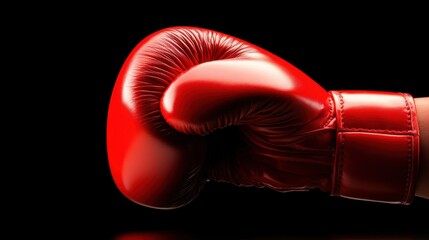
[(77, 56)]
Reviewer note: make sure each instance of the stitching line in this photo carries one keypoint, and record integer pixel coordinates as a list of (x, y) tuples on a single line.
[(407, 179)]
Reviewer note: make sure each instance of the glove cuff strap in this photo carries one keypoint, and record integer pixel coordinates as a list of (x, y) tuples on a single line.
[(377, 146)]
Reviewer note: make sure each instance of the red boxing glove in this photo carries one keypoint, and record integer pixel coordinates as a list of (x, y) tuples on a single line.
[(192, 105)]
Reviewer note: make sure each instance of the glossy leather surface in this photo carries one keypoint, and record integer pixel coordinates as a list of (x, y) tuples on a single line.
[(377, 156), (192, 105)]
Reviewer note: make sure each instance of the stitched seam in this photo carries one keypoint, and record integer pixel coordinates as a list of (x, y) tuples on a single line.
[(409, 154), (408, 110), (407, 179), (379, 130), (331, 112), (341, 109), (341, 157)]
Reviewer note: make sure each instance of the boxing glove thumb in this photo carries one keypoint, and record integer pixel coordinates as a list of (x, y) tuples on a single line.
[(253, 90)]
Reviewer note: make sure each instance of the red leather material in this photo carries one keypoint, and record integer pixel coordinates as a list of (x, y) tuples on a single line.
[(192, 105), (377, 154)]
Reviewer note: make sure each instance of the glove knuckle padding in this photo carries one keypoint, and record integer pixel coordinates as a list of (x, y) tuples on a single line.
[(138, 133), (147, 166), (180, 84), (166, 56)]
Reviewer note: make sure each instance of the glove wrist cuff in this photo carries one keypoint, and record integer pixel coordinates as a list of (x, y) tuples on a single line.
[(377, 146)]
